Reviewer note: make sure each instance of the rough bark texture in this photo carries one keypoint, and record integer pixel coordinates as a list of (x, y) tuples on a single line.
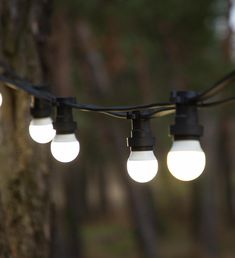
[(24, 204)]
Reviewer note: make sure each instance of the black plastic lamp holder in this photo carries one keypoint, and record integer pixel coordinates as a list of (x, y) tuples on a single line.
[(186, 119), (40, 108), (141, 137), (64, 123)]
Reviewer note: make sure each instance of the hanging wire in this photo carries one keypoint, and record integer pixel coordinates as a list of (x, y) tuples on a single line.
[(154, 109), (89, 107), (216, 103), (113, 111), (29, 88), (162, 112), (216, 88), (121, 115)]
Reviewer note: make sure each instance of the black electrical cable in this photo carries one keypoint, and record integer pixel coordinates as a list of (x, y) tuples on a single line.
[(216, 88), (114, 111), (115, 114), (216, 103), (29, 88), (121, 115), (155, 109), (87, 107), (162, 112)]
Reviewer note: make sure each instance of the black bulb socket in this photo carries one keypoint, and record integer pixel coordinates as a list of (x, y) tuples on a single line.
[(141, 138), (40, 108), (186, 118), (64, 123)]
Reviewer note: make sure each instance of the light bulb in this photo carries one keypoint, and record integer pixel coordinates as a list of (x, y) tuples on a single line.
[(65, 147), (1, 99), (186, 160), (142, 166), (41, 130)]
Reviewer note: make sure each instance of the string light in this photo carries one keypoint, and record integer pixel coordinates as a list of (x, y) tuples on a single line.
[(186, 159), (41, 128), (0, 99), (142, 165), (65, 146)]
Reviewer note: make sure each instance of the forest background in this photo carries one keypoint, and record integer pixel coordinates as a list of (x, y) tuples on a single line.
[(111, 53)]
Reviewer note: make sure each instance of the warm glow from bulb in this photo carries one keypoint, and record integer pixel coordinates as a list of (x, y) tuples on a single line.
[(65, 147), (142, 166), (41, 130), (186, 160)]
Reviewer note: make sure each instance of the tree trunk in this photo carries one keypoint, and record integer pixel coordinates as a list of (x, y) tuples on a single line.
[(24, 204)]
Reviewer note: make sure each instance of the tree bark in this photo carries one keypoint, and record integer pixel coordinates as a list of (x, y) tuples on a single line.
[(24, 205)]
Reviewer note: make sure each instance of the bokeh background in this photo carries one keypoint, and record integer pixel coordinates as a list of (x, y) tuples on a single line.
[(135, 52)]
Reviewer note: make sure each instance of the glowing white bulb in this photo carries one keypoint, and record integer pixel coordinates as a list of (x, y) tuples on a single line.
[(41, 130), (186, 160), (142, 166), (65, 147), (1, 99)]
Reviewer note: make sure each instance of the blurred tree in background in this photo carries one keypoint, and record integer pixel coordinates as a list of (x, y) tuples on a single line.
[(123, 52), (24, 177)]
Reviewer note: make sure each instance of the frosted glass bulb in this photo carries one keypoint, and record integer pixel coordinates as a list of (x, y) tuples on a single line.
[(41, 130), (0, 99), (142, 166), (65, 147), (186, 160)]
